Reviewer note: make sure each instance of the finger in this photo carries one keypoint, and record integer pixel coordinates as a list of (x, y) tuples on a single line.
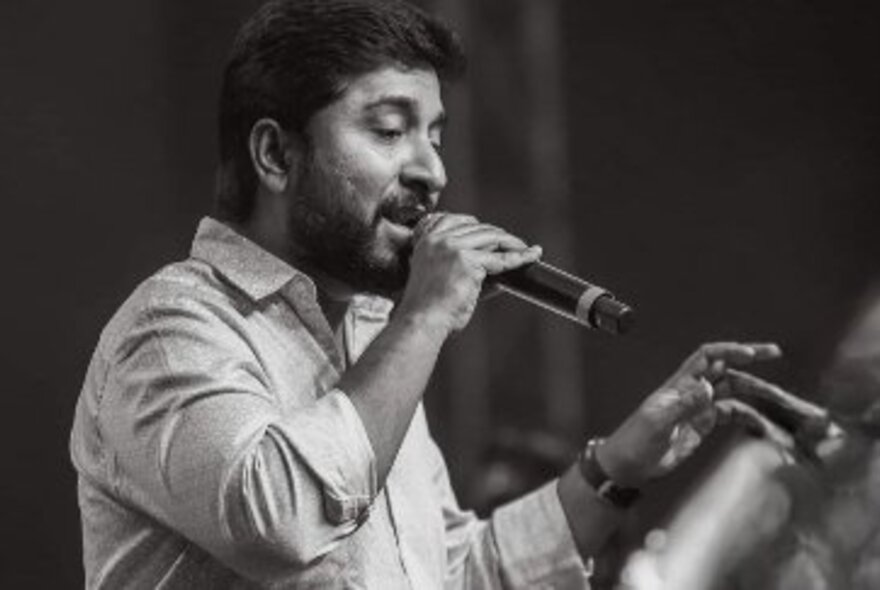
[(716, 370), (785, 408), (741, 352), (426, 225), (711, 360), (746, 386), (742, 414), (498, 262), (729, 352), (765, 351), (484, 237), (436, 224), (704, 422)]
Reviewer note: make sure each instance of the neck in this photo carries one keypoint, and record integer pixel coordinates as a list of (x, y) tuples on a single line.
[(334, 309)]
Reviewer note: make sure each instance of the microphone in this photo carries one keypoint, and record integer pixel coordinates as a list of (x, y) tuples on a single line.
[(569, 296)]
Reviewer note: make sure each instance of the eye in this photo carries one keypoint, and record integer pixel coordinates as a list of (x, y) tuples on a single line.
[(435, 136), (388, 134)]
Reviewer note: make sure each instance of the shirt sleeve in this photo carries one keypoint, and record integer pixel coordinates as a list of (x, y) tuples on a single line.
[(197, 439), (525, 544)]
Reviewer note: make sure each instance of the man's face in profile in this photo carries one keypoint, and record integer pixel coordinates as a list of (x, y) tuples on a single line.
[(372, 169)]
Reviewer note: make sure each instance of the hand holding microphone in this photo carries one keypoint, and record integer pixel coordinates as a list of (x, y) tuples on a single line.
[(553, 289), (451, 257)]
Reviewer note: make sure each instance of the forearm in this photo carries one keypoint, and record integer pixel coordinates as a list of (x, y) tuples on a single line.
[(387, 383), (452, 254)]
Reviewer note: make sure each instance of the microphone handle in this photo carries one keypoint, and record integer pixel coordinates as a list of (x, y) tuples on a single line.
[(569, 296)]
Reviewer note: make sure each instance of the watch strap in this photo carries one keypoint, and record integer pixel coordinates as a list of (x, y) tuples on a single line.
[(606, 488)]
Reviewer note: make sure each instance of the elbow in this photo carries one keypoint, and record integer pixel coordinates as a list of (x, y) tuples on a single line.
[(276, 552), (273, 514)]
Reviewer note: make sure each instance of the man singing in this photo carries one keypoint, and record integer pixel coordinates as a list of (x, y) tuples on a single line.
[(252, 415)]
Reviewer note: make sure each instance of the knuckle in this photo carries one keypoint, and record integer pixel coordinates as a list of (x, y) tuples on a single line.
[(445, 247), (458, 255), (463, 219)]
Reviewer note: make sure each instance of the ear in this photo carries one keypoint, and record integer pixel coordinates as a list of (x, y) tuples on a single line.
[(272, 154)]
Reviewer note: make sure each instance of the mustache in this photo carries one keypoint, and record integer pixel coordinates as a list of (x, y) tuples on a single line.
[(406, 208)]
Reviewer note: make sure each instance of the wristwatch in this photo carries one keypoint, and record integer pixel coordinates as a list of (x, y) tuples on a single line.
[(606, 488)]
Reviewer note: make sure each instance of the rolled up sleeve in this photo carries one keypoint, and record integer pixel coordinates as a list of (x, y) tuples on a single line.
[(198, 439), (524, 544), (535, 544), (331, 440)]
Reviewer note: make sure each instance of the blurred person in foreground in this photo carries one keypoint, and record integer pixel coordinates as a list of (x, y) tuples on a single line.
[(252, 415), (780, 515)]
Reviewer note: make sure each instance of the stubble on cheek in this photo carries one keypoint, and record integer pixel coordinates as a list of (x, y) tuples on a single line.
[(360, 197), (342, 205)]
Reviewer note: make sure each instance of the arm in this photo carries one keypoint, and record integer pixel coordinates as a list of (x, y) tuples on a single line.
[(451, 257), (663, 431), (545, 538)]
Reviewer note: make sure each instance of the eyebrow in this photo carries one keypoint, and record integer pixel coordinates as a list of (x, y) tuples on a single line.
[(404, 103)]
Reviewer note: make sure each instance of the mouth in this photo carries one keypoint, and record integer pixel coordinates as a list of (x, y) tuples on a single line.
[(407, 216)]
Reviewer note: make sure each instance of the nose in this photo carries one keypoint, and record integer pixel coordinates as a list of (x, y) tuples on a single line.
[(424, 170)]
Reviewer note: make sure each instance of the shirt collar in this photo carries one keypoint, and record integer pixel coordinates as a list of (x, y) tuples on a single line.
[(245, 264), (259, 273)]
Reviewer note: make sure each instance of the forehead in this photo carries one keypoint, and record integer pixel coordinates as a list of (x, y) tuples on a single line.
[(419, 89)]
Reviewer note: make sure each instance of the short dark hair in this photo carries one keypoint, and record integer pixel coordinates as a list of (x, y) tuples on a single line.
[(293, 57)]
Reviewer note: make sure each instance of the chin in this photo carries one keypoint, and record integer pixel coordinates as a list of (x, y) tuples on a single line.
[(392, 239), (384, 273)]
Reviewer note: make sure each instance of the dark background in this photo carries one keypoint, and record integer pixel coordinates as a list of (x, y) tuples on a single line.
[(721, 172)]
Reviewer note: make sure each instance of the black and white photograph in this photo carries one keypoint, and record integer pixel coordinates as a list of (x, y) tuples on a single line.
[(441, 294)]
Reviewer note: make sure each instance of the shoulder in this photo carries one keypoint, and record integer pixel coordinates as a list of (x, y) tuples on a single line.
[(180, 298)]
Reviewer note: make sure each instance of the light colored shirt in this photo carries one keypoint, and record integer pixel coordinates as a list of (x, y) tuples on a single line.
[(214, 451)]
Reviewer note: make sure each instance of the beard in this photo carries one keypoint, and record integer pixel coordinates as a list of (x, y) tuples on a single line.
[(336, 235)]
